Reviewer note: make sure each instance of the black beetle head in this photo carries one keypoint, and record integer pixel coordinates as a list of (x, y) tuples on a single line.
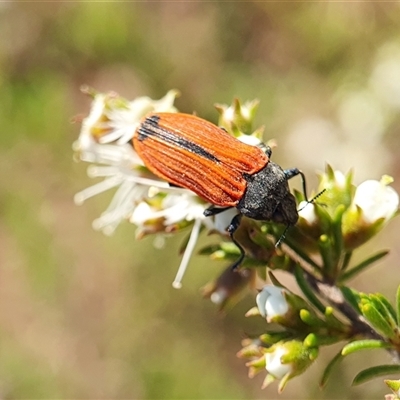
[(268, 197)]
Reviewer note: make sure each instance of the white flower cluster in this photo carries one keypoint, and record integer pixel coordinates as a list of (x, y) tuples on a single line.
[(372, 200), (142, 198)]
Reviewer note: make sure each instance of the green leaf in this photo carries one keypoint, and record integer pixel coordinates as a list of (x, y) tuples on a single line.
[(332, 321), (366, 344), (262, 273), (377, 320), (310, 318), (324, 217), (325, 246), (346, 260), (327, 339), (394, 385), (303, 254), (388, 308), (307, 290), (328, 369), (205, 251), (271, 338), (375, 372), (229, 247), (337, 231), (363, 265), (352, 297), (274, 280), (299, 196), (330, 172), (311, 341)]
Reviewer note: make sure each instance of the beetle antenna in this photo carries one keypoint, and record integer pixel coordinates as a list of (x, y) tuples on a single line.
[(303, 182), (290, 173), (282, 237), (312, 200)]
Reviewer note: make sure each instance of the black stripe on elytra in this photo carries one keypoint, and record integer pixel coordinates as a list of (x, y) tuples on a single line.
[(151, 128)]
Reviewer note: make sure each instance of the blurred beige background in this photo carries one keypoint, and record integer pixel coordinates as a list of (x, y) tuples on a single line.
[(88, 316)]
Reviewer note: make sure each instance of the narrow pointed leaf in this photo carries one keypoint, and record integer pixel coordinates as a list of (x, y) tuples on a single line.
[(359, 345), (332, 320), (307, 290), (325, 246), (346, 260), (328, 369), (302, 254), (205, 251), (262, 273), (375, 372), (363, 265), (325, 219), (377, 320), (337, 232), (274, 280), (388, 308), (310, 319), (352, 297), (273, 337)]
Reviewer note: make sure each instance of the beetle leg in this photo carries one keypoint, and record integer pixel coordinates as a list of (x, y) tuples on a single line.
[(282, 237), (290, 173), (231, 230), (212, 210)]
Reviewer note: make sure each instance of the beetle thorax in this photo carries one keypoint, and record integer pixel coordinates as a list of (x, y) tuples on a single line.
[(268, 197)]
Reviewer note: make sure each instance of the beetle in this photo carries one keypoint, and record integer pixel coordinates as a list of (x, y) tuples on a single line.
[(190, 152)]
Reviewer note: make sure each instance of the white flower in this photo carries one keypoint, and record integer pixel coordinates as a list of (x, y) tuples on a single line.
[(123, 122), (273, 363), (271, 302), (223, 219), (376, 200), (307, 212), (173, 209), (287, 359), (140, 197), (114, 119), (102, 141), (249, 139)]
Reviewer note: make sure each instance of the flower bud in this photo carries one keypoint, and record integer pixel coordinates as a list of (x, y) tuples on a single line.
[(237, 118), (376, 200), (309, 224), (394, 385), (373, 205), (284, 360), (229, 286), (271, 302), (280, 306)]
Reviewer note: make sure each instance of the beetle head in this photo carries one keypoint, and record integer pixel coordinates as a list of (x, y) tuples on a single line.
[(268, 197)]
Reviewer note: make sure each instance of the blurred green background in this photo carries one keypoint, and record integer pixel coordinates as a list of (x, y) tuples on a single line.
[(88, 316)]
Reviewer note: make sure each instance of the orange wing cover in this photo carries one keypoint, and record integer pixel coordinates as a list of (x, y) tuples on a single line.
[(193, 153)]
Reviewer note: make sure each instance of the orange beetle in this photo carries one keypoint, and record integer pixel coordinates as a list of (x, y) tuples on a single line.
[(190, 152)]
